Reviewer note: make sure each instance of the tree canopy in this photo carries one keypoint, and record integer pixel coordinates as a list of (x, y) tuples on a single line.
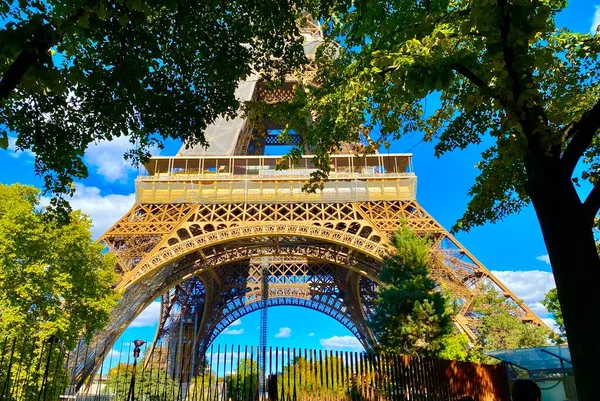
[(74, 73), (313, 379), (54, 281), (244, 383), (501, 72), (498, 73), (551, 303), (499, 326), (410, 315), (151, 384)]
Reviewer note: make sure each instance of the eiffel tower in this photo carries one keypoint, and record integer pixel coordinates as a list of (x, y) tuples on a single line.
[(206, 220)]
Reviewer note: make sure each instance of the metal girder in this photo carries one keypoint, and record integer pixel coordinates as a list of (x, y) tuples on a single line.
[(197, 232), (208, 241), (325, 287)]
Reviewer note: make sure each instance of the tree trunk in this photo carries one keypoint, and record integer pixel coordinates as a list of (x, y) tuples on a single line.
[(575, 263)]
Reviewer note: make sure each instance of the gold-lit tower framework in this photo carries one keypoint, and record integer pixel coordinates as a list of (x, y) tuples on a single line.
[(206, 219)]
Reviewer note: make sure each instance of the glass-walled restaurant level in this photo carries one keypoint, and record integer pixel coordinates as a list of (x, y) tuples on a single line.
[(267, 166), (257, 179)]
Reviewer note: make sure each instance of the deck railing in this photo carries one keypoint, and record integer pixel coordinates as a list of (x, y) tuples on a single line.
[(225, 167)]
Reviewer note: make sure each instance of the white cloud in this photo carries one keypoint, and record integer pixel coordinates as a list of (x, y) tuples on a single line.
[(223, 356), (529, 285), (236, 323), (341, 342), (104, 210), (149, 316), (16, 153), (113, 354), (284, 332), (538, 309), (232, 332), (551, 323), (311, 334), (106, 158), (544, 258), (595, 21)]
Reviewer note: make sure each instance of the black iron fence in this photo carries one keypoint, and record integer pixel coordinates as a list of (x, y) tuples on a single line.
[(46, 371)]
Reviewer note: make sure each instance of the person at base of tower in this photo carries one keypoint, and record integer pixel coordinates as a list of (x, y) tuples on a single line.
[(526, 390)]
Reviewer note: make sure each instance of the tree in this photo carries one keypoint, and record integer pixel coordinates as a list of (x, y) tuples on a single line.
[(54, 281), (455, 347), (499, 327), (496, 324), (462, 73), (410, 314), (150, 384), (244, 383), (55, 288), (318, 379), (551, 303), (74, 73)]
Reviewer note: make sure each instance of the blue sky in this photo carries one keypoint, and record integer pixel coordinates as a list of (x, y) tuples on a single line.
[(513, 250)]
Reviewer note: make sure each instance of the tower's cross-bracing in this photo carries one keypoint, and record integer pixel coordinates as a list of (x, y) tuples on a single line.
[(210, 223)]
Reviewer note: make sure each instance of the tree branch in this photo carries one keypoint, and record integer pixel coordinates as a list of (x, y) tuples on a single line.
[(429, 19), (592, 203), (582, 133), (532, 117), (508, 51), (474, 78), (470, 75), (36, 48)]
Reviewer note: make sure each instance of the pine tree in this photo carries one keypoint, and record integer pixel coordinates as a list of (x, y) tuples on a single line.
[(411, 315)]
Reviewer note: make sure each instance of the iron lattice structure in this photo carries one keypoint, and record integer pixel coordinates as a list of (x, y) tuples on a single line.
[(206, 219)]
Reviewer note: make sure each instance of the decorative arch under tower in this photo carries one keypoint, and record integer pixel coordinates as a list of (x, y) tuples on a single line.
[(205, 220)]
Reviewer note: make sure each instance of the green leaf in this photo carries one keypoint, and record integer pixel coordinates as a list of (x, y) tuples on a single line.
[(123, 19), (84, 20), (4, 140), (61, 283)]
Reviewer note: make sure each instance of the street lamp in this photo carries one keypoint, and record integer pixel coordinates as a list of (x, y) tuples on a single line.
[(136, 354)]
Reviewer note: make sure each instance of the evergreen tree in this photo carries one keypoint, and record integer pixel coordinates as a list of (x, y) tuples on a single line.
[(410, 316)]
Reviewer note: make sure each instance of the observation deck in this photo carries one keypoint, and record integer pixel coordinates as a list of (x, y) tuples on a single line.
[(233, 179)]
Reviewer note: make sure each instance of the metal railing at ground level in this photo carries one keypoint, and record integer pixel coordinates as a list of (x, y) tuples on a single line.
[(173, 372)]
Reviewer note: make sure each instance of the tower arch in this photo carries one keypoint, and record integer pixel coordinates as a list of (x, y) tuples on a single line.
[(175, 247), (208, 214), (317, 275)]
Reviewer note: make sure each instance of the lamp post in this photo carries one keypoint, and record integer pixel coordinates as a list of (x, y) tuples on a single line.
[(136, 354)]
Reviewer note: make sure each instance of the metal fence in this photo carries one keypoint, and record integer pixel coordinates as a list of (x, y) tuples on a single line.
[(45, 371)]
